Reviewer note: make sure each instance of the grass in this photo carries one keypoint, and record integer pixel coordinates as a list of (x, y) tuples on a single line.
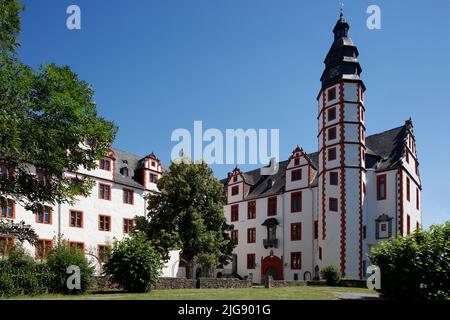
[(255, 293)]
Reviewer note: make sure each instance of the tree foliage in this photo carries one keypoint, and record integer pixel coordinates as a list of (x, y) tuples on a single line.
[(416, 266), (134, 264), (188, 215), (45, 117)]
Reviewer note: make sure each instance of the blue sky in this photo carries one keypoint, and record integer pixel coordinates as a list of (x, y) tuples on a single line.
[(158, 65)]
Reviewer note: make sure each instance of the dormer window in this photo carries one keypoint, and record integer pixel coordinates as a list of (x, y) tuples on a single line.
[(124, 171), (153, 178), (235, 190), (105, 164), (234, 178), (296, 161), (153, 163), (296, 175)]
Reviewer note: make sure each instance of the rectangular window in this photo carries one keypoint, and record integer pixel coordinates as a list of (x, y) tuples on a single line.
[(383, 227), (234, 212), (331, 94), (417, 199), (5, 171), (235, 179), (408, 189), (234, 190), (296, 201), (364, 232), (251, 261), (272, 206), (316, 229), (320, 253), (8, 208), (417, 168), (296, 175), (104, 191), (128, 196), (333, 204), (417, 225), (296, 231), (331, 114), (76, 219), (407, 155), (5, 245), (408, 224), (105, 164), (153, 178), (332, 134), (128, 226), (296, 260), (234, 236), (104, 223), (104, 252), (251, 235), (77, 246), (44, 215), (332, 154), (381, 187), (334, 178), (42, 177), (42, 248), (296, 161), (251, 210)]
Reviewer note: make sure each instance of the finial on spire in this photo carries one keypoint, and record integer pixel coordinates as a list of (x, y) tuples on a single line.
[(341, 3)]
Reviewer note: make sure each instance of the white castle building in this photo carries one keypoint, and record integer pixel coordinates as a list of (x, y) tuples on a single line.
[(333, 205), (327, 207)]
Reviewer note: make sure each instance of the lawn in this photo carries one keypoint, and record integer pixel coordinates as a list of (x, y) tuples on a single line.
[(255, 293)]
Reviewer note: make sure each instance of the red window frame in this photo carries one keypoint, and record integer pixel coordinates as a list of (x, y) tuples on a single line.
[(407, 155), (332, 133), (296, 231), (417, 199), (76, 245), (128, 196), (251, 210), (77, 216), (46, 245), (42, 177), (251, 261), (235, 236), (408, 224), (332, 154), (331, 114), (331, 94), (381, 182), (102, 191), (408, 189), (102, 218), (235, 179), (234, 190), (333, 204), (334, 178), (316, 229), (43, 220), (251, 235), (272, 206), (105, 164), (102, 255), (296, 161), (8, 241), (296, 260), (296, 175), (5, 209), (128, 225), (234, 213), (296, 207)]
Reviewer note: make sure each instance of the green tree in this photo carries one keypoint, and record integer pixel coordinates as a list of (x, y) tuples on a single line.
[(188, 215), (416, 266), (45, 118), (134, 264)]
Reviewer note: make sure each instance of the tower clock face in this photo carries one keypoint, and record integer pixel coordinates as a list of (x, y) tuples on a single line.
[(334, 72)]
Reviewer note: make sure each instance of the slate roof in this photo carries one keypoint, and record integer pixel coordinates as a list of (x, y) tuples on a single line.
[(384, 152), (132, 162)]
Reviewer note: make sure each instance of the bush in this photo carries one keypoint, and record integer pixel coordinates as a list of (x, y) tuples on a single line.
[(416, 266), (20, 274), (331, 274), (57, 263), (134, 264)]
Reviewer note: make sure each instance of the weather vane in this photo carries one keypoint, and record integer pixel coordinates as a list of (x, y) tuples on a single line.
[(341, 4)]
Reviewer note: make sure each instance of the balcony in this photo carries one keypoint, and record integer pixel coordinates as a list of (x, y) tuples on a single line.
[(270, 243)]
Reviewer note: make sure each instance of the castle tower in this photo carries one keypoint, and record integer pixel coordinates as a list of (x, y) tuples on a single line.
[(341, 157)]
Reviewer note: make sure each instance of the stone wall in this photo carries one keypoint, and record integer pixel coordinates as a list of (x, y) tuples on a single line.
[(287, 283), (103, 283), (353, 283), (217, 283), (176, 283)]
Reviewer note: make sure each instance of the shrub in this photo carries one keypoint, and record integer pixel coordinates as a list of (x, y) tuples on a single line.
[(416, 266), (20, 274), (134, 264), (57, 263), (331, 274)]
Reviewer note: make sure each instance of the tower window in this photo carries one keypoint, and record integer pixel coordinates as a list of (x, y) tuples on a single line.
[(408, 189), (332, 154), (332, 133), (234, 236), (333, 204), (272, 206), (381, 187), (332, 114), (234, 190), (296, 231), (334, 178), (296, 260), (296, 161), (331, 94), (235, 212), (417, 199), (251, 210), (251, 235), (296, 201), (316, 229), (251, 261)]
